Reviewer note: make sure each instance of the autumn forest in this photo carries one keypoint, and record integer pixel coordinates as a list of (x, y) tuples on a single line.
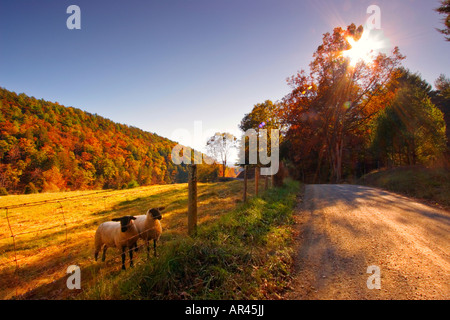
[(342, 120), (48, 147), (346, 118)]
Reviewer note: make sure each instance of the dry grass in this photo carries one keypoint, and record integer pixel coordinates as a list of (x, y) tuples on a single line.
[(44, 254), (429, 184), (246, 254)]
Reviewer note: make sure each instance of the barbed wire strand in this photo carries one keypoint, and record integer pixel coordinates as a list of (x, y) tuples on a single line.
[(57, 201), (37, 203)]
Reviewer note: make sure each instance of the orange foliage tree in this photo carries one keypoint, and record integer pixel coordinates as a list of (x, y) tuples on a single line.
[(45, 146), (328, 110)]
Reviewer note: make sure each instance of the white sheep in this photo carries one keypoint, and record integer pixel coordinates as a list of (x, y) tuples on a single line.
[(149, 227), (120, 233)]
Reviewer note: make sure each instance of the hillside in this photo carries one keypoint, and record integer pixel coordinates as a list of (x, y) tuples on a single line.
[(430, 184), (45, 146)]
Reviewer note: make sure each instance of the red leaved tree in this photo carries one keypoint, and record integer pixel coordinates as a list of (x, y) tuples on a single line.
[(329, 108)]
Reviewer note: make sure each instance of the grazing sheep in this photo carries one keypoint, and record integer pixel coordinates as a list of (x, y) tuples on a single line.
[(149, 227), (120, 233)]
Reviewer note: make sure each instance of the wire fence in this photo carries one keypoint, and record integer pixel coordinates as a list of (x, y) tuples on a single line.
[(20, 229), (23, 258)]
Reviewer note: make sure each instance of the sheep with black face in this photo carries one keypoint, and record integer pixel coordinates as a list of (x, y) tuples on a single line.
[(120, 233), (149, 227)]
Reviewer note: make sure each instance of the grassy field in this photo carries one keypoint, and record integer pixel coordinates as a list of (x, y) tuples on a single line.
[(429, 184), (44, 253), (245, 254)]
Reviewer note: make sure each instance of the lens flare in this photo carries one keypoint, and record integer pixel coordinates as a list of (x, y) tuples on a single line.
[(366, 49)]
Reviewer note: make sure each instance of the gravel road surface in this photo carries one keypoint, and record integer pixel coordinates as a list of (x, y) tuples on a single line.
[(344, 229)]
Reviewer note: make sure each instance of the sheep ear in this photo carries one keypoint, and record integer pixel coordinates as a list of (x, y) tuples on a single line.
[(116, 219), (133, 217), (161, 208)]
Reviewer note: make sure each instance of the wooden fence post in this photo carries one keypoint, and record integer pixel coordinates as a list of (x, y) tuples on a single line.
[(256, 181), (266, 182), (64, 219), (192, 200), (14, 240), (245, 185), (16, 272)]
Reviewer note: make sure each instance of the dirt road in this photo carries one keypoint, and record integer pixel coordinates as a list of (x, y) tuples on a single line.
[(344, 229)]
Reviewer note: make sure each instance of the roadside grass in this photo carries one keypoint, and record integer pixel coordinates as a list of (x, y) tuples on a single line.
[(430, 184), (245, 254), (44, 254)]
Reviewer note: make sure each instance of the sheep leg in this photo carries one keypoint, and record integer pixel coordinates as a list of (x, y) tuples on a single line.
[(154, 246), (97, 250), (147, 244), (135, 247), (123, 258), (131, 257), (104, 253)]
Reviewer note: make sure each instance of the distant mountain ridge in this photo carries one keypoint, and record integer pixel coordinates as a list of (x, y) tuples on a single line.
[(45, 146)]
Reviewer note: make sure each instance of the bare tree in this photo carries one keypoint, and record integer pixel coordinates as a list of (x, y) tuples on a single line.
[(219, 147)]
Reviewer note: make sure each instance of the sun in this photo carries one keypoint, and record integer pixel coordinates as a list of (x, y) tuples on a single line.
[(366, 49)]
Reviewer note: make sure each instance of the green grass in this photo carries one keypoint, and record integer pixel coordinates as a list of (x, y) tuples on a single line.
[(246, 254), (431, 184)]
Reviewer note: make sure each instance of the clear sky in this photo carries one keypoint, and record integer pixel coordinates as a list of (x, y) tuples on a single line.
[(161, 65)]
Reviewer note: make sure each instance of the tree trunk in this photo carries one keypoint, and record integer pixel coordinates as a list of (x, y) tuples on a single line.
[(224, 166), (339, 148), (319, 164), (336, 160)]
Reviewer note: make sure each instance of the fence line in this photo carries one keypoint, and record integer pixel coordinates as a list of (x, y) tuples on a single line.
[(49, 201), (71, 219), (36, 230), (5, 237), (67, 219), (64, 220), (136, 259), (14, 239), (37, 203), (58, 226)]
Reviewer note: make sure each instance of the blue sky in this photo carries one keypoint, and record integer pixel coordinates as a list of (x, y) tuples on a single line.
[(161, 65)]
